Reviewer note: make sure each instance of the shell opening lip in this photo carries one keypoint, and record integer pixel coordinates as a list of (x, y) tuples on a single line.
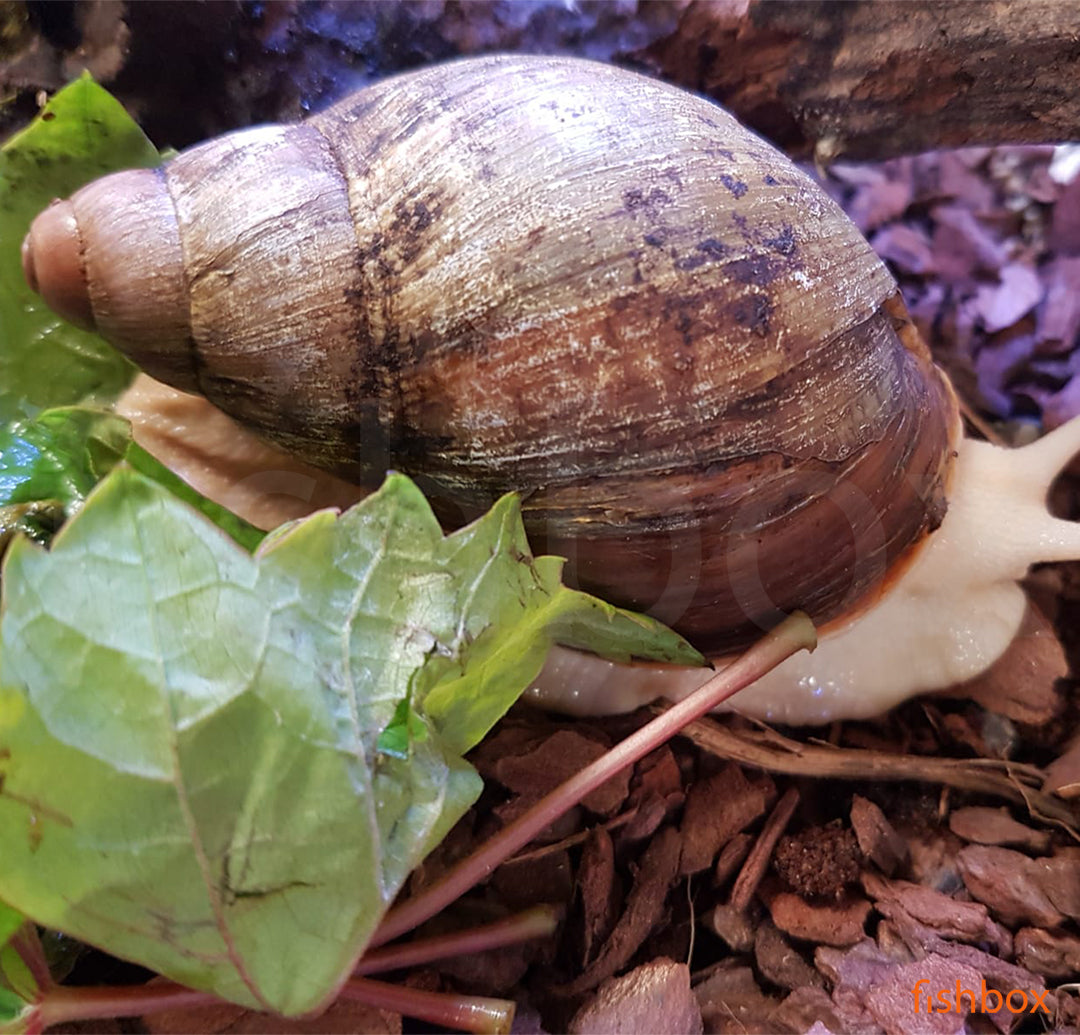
[(52, 262)]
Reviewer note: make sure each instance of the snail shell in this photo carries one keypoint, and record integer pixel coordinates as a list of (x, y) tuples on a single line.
[(551, 276)]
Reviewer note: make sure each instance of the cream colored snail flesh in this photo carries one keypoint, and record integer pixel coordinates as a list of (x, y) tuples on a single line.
[(561, 278)]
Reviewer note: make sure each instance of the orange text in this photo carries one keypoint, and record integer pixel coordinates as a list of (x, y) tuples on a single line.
[(985, 1000)]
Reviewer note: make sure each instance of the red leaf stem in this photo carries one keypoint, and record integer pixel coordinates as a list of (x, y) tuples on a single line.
[(465, 1013), (537, 922)]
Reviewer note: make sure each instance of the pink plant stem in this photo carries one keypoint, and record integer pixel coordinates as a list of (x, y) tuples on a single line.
[(26, 943), (538, 922), (60, 1003), (793, 634), (465, 1013)]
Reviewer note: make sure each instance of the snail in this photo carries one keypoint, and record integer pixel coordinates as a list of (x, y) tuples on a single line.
[(570, 280)]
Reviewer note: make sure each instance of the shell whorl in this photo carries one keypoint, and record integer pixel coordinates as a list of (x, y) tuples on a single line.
[(558, 277)]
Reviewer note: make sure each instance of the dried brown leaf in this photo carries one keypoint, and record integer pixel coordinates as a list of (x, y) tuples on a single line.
[(1059, 317), (963, 246), (731, 1002), (1018, 291), (1021, 684), (341, 1018), (644, 908), (1048, 953), (599, 891), (653, 999), (717, 809), (1063, 774), (900, 1012), (556, 759), (933, 911), (986, 826), (877, 839), (779, 962), (839, 923), (1064, 235), (806, 1009), (879, 202), (906, 247), (1009, 883)]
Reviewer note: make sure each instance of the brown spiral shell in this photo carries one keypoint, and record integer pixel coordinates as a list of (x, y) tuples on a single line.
[(562, 278)]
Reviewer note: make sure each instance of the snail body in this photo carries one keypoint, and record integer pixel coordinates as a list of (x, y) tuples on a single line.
[(556, 277)]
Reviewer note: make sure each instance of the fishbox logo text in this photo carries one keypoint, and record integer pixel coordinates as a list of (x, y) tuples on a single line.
[(985, 1000)]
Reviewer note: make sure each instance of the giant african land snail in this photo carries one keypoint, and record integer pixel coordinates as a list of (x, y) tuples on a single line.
[(559, 277)]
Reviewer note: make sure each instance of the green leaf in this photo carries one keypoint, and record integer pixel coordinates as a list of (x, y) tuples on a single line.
[(57, 457), (514, 608), (17, 980), (60, 455), (18, 987), (247, 535), (49, 463), (10, 921), (81, 134), (404, 728), (189, 735), (15, 1014), (38, 521)]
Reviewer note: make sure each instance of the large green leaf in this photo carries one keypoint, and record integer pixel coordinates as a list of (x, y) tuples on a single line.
[(81, 134), (190, 735)]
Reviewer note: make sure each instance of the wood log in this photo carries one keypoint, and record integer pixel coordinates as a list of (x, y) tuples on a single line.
[(870, 79)]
